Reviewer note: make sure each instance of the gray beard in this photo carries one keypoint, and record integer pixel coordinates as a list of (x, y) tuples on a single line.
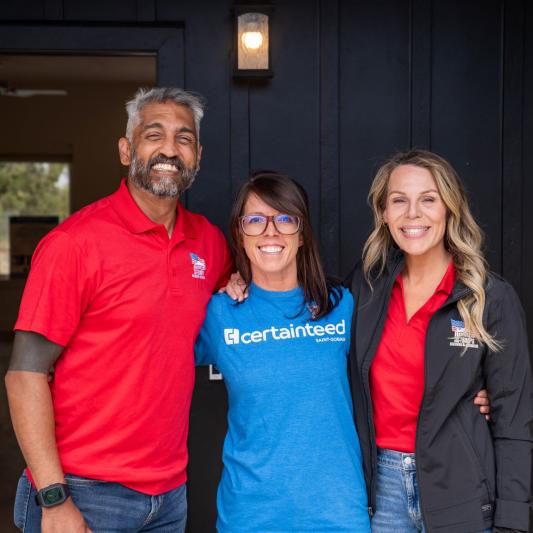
[(139, 175)]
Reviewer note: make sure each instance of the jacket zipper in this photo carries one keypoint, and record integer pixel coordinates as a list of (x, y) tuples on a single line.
[(370, 415), (373, 451), (420, 491)]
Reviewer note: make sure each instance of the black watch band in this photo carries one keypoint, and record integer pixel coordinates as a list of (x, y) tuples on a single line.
[(52, 495)]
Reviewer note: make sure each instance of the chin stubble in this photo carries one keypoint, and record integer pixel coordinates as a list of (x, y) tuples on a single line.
[(166, 187)]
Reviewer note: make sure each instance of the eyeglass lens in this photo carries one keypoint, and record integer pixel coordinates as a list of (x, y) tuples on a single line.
[(254, 225)]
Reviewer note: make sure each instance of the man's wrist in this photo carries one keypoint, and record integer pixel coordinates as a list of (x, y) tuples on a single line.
[(52, 495)]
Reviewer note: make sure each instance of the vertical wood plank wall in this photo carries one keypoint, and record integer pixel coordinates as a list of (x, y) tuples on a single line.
[(354, 81)]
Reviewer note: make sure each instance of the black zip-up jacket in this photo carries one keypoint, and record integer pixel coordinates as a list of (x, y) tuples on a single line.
[(472, 475)]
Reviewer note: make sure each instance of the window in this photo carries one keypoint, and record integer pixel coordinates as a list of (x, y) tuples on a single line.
[(30, 189)]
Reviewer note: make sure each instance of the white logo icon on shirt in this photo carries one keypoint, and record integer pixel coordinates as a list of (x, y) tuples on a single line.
[(231, 336)]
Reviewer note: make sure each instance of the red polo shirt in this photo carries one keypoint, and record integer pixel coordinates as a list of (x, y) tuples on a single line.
[(397, 371), (127, 303)]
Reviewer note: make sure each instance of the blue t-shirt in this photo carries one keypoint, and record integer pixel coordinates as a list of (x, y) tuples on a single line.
[(292, 460)]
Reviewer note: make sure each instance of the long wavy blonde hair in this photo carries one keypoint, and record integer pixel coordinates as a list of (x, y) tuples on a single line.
[(463, 237)]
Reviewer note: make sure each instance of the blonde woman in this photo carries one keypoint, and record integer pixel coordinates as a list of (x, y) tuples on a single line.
[(431, 327)]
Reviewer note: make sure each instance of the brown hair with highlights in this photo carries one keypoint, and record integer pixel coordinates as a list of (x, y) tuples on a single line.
[(463, 237)]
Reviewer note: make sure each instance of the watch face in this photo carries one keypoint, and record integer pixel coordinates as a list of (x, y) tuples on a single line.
[(52, 496)]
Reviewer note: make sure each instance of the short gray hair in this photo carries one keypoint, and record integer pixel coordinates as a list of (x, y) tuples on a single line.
[(159, 95)]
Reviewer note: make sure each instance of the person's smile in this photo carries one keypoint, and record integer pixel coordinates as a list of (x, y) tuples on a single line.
[(414, 232), (164, 170), (271, 249)]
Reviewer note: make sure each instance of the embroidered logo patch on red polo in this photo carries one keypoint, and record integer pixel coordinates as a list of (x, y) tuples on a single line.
[(198, 266)]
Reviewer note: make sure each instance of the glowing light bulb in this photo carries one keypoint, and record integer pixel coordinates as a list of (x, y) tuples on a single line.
[(252, 40)]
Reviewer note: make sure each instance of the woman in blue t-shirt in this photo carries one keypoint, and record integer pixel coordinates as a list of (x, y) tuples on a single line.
[(292, 460)]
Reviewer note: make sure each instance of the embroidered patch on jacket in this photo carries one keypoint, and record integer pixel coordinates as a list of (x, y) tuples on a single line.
[(198, 266), (461, 337)]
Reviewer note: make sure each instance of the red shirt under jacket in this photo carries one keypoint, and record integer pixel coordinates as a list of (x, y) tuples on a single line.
[(397, 371), (127, 303)]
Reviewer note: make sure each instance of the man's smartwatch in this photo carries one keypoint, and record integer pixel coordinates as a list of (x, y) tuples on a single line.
[(52, 495)]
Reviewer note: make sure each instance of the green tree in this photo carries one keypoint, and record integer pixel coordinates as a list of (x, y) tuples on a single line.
[(30, 189), (33, 189)]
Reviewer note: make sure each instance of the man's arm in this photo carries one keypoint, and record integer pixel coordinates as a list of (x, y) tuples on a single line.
[(32, 414)]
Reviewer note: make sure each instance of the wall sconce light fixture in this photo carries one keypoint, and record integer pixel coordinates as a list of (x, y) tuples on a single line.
[(252, 50)]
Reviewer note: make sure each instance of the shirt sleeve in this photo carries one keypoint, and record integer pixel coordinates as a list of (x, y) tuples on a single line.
[(206, 346), (57, 290), (510, 388)]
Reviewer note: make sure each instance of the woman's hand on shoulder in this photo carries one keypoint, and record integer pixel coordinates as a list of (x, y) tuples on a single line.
[(236, 288)]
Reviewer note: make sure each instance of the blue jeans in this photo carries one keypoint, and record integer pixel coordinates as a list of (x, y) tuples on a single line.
[(397, 495), (108, 507)]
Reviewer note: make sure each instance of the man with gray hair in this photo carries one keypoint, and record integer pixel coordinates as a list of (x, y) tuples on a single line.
[(114, 300)]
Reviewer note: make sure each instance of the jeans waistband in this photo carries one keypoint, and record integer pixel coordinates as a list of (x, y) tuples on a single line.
[(394, 459)]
